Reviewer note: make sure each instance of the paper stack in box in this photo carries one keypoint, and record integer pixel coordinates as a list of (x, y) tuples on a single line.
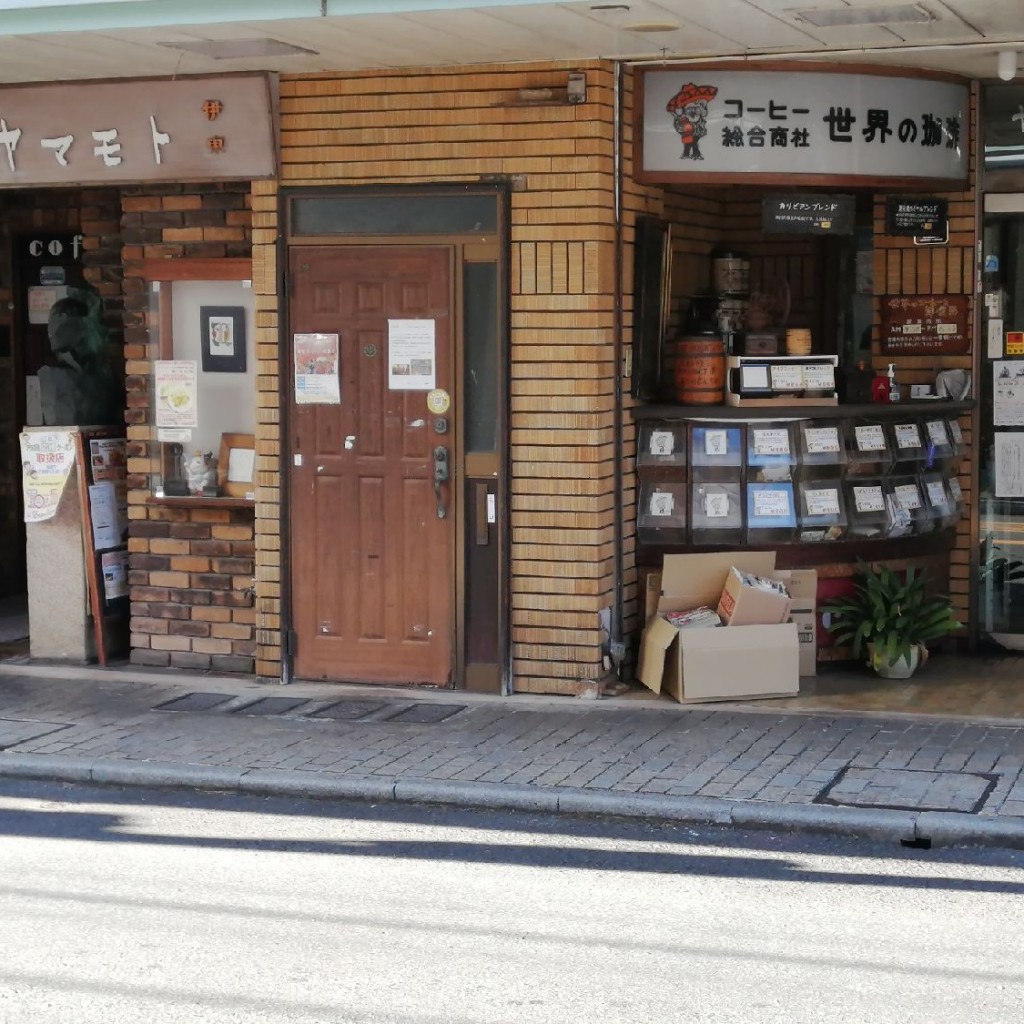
[(696, 618), (751, 600)]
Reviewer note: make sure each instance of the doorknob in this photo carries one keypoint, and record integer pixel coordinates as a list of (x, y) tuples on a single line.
[(440, 477)]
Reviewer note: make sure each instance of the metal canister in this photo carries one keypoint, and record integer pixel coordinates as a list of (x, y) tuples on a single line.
[(730, 272)]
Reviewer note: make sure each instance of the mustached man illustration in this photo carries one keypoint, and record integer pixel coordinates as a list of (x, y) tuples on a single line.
[(689, 110)]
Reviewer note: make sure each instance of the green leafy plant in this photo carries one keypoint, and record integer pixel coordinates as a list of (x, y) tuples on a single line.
[(891, 613)]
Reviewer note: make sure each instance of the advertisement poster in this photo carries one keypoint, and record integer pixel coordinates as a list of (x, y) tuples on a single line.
[(176, 393), (1007, 393), (114, 568), (47, 458), (108, 458), (1010, 464), (411, 364), (106, 517), (316, 369)]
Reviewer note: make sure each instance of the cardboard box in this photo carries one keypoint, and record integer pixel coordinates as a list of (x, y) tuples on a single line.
[(715, 664), (743, 605), (803, 592)]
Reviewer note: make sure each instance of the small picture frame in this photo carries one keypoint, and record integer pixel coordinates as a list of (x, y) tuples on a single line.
[(236, 465), (222, 338)]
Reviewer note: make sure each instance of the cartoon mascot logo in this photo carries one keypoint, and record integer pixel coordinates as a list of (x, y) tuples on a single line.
[(689, 110)]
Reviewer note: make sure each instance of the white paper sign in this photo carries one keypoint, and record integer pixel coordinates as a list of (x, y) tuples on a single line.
[(1009, 464), (995, 339), (819, 376), (716, 505), (908, 496), (106, 527), (822, 501), (937, 433), (907, 436), (870, 438), (771, 442), (869, 499), (936, 493), (180, 435), (114, 566), (716, 442), (754, 378), (175, 383), (662, 503), (787, 377), (411, 355), (662, 442), (771, 503), (821, 440), (1008, 393), (957, 433)]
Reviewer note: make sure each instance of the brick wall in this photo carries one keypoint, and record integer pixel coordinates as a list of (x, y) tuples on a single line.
[(190, 567)]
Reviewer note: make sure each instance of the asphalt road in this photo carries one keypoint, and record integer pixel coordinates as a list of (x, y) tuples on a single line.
[(156, 906)]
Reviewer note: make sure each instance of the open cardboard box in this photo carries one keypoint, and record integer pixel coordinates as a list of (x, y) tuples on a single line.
[(727, 663)]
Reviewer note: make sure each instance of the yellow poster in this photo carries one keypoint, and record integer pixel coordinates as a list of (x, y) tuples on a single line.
[(47, 457)]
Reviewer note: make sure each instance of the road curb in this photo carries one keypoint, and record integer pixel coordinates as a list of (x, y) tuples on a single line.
[(936, 828)]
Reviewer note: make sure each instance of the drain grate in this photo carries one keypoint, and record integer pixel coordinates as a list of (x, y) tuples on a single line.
[(909, 789), (349, 710), (194, 702), (271, 706), (425, 713)]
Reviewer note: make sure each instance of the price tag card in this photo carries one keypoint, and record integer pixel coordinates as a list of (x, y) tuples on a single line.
[(819, 376), (958, 434), (821, 440), (662, 503), (771, 442), (771, 504), (907, 436), (908, 496), (716, 442), (822, 501), (716, 505), (870, 438), (955, 489), (937, 433), (663, 442), (787, 377), (869, 499), (936, 493)]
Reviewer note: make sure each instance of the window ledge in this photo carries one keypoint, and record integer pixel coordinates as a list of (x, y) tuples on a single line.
[(201, 502)]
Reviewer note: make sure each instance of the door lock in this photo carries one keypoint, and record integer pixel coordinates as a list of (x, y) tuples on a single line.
[(440, 477)]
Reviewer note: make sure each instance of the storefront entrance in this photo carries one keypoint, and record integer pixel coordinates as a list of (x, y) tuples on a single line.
[(395, 477)]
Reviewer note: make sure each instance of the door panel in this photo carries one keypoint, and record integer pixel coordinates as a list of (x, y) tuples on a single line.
[(371, 560)]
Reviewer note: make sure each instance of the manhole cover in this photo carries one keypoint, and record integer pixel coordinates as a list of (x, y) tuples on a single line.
[(425, 714), (194, 702), (14, 731), (909, 789), (348, 710), (271, 706)]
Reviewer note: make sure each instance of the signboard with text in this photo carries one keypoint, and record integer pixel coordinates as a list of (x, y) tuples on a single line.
[(703, 123), (921, 325), (808, 214), (922, 216)]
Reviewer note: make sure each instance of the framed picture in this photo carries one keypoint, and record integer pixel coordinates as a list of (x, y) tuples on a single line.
[(222, 338), (236, 465)]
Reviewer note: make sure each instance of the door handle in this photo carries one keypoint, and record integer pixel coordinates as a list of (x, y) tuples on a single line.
[(441, 473)]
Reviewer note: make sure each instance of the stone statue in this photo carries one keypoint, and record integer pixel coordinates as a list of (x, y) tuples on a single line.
[(78, 387)]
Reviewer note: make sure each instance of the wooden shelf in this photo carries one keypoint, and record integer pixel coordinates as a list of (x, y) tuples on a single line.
[(918, 407), (191, 502)]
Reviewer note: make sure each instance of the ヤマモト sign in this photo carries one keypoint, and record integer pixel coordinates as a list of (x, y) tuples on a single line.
[(214, 128), (714, 123), (924, 325)]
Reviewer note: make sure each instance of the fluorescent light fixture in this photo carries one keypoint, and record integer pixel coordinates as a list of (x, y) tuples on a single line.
[(237, 49), (839, 17), (652, 26), (1006, 65)]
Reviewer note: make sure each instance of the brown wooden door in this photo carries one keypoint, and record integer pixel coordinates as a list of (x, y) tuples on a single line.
[(372, 573)]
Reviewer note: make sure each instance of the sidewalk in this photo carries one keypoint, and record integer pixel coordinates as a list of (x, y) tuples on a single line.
[(915, 779)]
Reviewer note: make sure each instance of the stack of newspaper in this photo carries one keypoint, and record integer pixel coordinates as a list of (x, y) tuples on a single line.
[(748, 579), (694, 618)]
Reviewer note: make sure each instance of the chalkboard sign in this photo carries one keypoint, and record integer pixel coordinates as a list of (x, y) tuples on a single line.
[(101, 458), (916, 215), (808, 213)]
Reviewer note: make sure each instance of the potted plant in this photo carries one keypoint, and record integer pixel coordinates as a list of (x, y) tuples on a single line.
[(893, 618)]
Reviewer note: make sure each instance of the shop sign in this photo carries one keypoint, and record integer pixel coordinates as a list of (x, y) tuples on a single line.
[(808, 214), (916, 216), (699, 123), (183, 129), (924, 324)]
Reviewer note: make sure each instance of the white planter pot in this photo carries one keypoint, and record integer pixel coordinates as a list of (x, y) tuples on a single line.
[(903, 669)]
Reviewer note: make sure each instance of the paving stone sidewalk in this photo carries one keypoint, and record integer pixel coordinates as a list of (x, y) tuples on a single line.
[(913, 778)]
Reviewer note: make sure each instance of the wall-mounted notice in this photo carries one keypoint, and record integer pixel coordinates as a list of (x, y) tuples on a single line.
[(177, 403), (924, 324), (1010, 464), (46, 460), (411, 355), (316, 369), (114, 568), (1007, 393)]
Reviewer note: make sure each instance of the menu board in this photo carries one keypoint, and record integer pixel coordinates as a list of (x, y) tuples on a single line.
[(924, 324), (809, 213), (915, 215)]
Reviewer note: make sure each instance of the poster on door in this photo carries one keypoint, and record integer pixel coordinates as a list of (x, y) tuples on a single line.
[(316, 369), (1007, 393), (411, 351)]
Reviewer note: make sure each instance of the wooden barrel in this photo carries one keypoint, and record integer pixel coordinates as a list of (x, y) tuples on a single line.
[(699, 370)]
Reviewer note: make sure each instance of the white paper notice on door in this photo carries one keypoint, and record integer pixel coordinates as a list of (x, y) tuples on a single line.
[(411, 355), (316, 369), (1010, 464), (1008, 393)]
